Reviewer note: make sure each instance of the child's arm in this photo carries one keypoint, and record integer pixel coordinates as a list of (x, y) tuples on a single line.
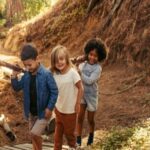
[(79, 95), (93, 78), (16, 84), (53, 95)]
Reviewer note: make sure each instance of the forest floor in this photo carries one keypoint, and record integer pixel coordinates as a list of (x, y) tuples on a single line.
[(123, 110)]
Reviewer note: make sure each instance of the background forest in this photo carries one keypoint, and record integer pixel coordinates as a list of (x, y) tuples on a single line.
[(15, 11)]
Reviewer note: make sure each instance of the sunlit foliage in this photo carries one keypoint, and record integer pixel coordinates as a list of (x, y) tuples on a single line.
[(32, 8), (2, 8), (16, 11)]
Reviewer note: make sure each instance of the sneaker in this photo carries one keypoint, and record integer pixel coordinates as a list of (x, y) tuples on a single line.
[(90, 139), (78, 140), (11, 136)]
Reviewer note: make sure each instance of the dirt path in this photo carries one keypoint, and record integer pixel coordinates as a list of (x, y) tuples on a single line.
[(116, 110), (123, 109)]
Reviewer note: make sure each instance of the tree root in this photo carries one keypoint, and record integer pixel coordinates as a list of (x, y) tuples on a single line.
[(140, 78), (111, 13), (91, 5)]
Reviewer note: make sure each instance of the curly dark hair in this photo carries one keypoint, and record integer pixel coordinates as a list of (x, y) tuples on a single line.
[(96, 44)]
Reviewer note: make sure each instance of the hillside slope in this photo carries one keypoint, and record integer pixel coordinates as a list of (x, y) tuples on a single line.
[(123, 25)]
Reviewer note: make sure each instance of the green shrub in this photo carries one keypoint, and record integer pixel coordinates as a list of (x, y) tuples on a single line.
[(117, 139)]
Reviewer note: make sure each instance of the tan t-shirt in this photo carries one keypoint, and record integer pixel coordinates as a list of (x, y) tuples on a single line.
[(67, 95)]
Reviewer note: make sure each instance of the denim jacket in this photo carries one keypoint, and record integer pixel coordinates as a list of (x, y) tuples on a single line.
[(47, 91)]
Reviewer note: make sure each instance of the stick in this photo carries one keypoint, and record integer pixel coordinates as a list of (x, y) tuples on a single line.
[(78, 60), (11, 66), (126, 89)]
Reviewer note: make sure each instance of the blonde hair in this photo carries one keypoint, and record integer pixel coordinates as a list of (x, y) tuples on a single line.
[(55, 54)]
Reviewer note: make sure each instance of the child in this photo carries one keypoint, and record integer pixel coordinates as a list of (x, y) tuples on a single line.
[(90, 72), (70, 93), (40, 93)]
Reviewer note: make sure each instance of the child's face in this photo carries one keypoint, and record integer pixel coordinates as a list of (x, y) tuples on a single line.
[(31, 65), (92, 57), (61, 63)]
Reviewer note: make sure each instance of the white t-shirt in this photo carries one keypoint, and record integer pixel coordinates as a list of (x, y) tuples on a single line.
[(67, 95)]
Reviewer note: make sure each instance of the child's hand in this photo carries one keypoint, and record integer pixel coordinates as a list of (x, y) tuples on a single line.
[(77, 108), (48, 113), (14, 74)]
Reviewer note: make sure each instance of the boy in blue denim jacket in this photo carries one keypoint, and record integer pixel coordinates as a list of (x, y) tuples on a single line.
[(40, 93)]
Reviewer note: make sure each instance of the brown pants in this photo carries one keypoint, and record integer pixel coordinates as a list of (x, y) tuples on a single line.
[(65, 124)]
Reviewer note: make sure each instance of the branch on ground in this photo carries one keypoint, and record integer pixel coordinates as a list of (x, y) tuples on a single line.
[(138, 80)]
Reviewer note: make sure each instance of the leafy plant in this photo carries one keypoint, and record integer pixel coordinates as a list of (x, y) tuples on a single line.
[(34, 7), (117, 139)]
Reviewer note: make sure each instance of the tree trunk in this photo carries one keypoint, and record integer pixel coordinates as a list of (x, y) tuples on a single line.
[(14, 8)]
